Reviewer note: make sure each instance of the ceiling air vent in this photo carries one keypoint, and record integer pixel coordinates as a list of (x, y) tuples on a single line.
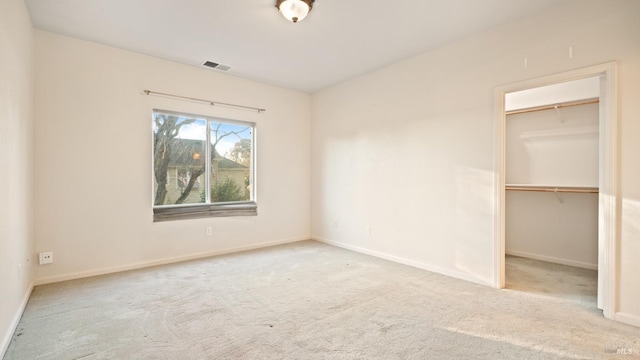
[(216, 66)]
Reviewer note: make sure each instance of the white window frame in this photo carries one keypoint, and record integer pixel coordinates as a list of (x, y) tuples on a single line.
[(207, 209)]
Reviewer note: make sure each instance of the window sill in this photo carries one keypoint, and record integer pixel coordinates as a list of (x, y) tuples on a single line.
[(185, 212)]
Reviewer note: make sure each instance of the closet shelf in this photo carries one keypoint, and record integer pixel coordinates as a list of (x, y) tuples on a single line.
[(551, 188), (554, 106)]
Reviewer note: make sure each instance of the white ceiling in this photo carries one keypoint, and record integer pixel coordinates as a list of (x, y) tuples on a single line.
[(339, 40)]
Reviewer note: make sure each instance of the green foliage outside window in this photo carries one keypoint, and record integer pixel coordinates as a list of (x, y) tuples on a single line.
[(227, 190)]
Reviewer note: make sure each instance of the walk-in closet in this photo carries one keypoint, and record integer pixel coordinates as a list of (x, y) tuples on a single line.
[(551, 190)]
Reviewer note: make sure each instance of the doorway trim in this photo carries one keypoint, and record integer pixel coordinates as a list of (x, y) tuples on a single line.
[(608, 177)]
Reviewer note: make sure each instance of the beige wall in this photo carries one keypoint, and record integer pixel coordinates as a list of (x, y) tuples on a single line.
[(434, 114), (93, 159), (16, 142)]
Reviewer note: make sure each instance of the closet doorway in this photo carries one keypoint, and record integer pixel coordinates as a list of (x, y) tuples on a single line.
[(556, 166)]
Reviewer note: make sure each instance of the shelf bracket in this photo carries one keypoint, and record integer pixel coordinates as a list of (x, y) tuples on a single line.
[(557, 107), (555, 191)]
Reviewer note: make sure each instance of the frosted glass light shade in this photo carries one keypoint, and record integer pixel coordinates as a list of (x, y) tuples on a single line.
[(294, 10)]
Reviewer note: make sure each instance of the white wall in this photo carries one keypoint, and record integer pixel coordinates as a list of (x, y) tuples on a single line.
[(93, 182), (16, 143), (553, 148), (540, 226), (433, 115)]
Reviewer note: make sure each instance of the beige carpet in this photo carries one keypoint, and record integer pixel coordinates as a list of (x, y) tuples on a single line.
[(308, 301), (555, 280)]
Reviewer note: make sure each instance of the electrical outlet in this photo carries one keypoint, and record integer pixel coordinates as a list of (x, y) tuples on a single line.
[(209, 230), (45, 257)]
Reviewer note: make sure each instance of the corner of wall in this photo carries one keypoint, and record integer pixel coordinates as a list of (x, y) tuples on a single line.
[(16, 164), (8, 335)]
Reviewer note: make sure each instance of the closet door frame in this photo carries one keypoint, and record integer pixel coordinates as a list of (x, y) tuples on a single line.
[(608, 177)]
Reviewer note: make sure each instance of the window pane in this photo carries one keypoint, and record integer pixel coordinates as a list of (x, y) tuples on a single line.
[(179, 162), (203, 167), (231, 166)]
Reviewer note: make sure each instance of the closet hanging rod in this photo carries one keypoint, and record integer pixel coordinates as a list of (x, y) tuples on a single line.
[(554, 106), (210, 102), (553, 189)]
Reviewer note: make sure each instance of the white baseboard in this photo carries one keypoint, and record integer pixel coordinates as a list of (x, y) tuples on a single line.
[(552, 259), (409, 262), (114, 269), (6, 339), (627, 319)]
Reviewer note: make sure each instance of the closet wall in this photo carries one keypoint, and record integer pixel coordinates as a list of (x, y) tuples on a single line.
[(553, 148)]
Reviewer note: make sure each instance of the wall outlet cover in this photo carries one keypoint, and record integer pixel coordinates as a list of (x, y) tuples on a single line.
[(45, 257)]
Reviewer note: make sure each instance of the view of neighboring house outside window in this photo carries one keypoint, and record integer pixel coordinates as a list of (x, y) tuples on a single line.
[(182, 172)]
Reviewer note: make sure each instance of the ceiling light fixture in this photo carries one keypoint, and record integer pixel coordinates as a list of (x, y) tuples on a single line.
[(294, 10)]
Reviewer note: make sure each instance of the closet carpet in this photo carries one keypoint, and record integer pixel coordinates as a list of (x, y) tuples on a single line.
[(561, 281), (307, 300)]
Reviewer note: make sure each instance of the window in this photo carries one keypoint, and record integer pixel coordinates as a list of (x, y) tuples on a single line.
[(182, 171)]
